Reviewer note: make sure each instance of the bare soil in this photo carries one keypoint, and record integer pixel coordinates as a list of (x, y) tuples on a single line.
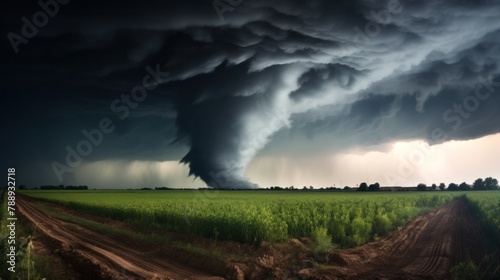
[(106, 258), (425, 249)]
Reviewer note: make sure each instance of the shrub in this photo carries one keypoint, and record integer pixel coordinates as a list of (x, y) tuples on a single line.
[(322, 240), (466, 270)]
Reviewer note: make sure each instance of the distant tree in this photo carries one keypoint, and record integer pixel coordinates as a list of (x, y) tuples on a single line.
[(464, 187), (479, 185), (304, 188), (347, 188), (311, 187), (374, 187), (76, 188), (434, 187), (453, 187), (51, 187), (363, 187), (442, 186), (491, 184), (421, 187)]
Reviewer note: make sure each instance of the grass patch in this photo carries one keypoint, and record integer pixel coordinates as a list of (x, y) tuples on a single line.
[(209, 253), (466, 270)]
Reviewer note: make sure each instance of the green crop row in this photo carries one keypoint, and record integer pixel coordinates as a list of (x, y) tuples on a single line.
[(252, 216), (486, 205)]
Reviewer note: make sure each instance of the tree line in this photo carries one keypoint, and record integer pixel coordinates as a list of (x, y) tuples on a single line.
[(479, 184), (61, 187)]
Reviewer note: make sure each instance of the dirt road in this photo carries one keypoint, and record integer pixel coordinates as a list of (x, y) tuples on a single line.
[(425, 249), (115, 258)]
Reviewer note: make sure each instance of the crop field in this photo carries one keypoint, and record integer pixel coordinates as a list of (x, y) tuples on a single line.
[(486, 205), (253, 216), (424, 235)]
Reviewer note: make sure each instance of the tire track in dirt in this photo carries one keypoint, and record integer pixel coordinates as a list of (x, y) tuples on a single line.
[(433, 257), (115, 257), (425, 249)]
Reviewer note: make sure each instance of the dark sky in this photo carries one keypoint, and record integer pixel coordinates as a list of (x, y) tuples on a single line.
[(215, 85)]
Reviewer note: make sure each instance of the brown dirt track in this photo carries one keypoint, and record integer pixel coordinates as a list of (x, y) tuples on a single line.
[(425, 249), (115, 258)]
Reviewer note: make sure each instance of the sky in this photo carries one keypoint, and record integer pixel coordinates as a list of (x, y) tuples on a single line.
[(246, 94)]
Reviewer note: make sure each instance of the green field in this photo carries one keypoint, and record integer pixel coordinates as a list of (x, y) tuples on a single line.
[(486, 206), (350, 218)]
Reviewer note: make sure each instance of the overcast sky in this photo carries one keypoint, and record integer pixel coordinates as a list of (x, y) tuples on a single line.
[(250, 93)]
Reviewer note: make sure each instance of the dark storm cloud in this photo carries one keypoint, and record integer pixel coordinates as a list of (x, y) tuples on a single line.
[(359, 72), (313, 81)]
